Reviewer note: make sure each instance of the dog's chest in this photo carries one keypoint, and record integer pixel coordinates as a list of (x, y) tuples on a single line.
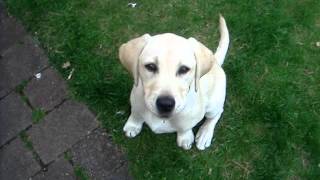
[(182, 123), (159, 126)]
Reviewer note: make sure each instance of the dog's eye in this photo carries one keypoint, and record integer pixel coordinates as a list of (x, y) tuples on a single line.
[(183, 70), (151, 67)]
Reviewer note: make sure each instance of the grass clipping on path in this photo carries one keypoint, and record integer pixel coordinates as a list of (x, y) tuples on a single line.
[(270, 128)]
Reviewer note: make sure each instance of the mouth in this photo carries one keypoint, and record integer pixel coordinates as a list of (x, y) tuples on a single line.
[(164, 115)]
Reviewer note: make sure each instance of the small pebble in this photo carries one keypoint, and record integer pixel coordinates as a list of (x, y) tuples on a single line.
[(38, 75)]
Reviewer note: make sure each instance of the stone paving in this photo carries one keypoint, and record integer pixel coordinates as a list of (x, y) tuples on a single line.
[(66, 138)]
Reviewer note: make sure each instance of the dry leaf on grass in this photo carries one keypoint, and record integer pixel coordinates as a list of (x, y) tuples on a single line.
[(66, 65)]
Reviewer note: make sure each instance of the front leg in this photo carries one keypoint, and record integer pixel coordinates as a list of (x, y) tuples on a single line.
[(133, 126), (185, 139), (205, 133)]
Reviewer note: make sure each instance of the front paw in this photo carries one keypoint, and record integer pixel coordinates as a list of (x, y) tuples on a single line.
[(204, 137), (185, 140), (132, 129)]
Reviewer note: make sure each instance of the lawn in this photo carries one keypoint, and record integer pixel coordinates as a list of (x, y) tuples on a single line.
[(270, 128)]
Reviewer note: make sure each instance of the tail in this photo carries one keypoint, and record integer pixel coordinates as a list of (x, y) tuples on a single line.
[(223, 43)]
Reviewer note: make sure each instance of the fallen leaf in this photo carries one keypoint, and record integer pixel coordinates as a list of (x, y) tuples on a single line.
[(66, 65), (132, 4)]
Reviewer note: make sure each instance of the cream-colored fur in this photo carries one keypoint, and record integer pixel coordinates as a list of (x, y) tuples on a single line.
[(198, 93)]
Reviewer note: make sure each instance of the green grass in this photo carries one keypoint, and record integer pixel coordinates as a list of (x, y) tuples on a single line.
[(67, 156), (28, 144), (21, 86), (81, 173), (37, 115), (19, 89), (270, 128), (25, 139)]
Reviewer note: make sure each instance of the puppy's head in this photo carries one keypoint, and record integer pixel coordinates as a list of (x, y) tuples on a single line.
[(168, 67)]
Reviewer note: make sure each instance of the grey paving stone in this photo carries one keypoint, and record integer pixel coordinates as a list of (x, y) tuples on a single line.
[(58, 170), (20, 62), (11, 31), (15, 116), (16, 162), (47, 91), (120, 173), (4, 92), (100, 157), (60, 129)]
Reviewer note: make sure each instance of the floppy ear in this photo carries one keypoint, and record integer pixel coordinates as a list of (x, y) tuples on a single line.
[(129, 55), (204, 60)]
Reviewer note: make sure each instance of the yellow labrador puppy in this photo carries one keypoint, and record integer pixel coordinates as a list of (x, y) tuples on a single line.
[(177, 82)]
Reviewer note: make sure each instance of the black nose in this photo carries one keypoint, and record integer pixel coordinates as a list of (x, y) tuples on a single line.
[(165, 104)]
